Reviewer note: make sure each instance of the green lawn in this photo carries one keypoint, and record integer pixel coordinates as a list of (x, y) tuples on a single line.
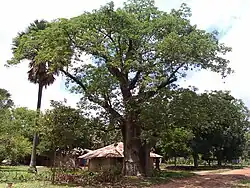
[(22, 179), (33, 184), (243, 183)]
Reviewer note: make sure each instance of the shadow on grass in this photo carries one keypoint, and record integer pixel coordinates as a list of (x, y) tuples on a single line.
[(202, 168)]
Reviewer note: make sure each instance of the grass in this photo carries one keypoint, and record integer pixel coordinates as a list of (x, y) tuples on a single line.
[(33, 184), (20, 178), (161, 177), (203, 168), (165, 176), (243, 183), (19, 174)]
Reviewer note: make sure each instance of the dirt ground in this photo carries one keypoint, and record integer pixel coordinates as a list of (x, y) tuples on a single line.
[(209, 179)]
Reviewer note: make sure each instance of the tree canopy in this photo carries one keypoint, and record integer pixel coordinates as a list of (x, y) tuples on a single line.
[(216, 123), (136, 51)]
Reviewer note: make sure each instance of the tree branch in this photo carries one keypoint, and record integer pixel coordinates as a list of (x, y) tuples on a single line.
[(74, 79), (117, 73), (104, 104), (108, 106), (84, 49), (129, 51), (109, 36), (110, 129), (146, 95), (134, 80), (113, 70)]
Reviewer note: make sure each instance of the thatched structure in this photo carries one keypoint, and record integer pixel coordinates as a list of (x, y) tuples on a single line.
[(108, 157)]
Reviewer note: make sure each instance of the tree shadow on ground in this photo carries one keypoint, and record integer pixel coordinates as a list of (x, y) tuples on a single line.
[(202, 168)]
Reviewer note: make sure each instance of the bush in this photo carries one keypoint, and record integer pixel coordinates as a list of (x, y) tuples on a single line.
[(110, 175), (79, 177)]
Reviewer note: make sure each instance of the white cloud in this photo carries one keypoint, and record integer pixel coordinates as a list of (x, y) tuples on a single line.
[(16, 15), (237, 37)]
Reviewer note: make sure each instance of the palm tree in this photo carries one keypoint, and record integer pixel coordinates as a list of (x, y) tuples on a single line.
[(38, 74)]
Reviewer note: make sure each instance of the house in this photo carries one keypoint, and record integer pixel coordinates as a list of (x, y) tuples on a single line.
[(108, 157), (70, 158)]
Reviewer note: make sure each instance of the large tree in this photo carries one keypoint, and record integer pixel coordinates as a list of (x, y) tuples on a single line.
[(136, 51), (39, 70)]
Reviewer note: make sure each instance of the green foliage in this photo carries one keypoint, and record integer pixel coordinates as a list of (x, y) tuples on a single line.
[(110, 175), (63, 128), (16, 129), (14, 147), (217, 121), (26, 46), (212, 124), (5, 99), (175, 142), (246, 151), (19, 174), (23, 121), (138, 39)]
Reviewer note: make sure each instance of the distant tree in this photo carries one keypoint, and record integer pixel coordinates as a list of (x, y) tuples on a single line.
[(230, 120), (16, 125), (246, 151), (175, 143), (5, 99), (62, 129), (217, 120), (23, 121)]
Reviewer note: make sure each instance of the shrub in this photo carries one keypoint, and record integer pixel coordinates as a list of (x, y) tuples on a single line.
[(110, 175)]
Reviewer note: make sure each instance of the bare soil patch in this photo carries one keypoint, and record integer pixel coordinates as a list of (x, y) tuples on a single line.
[(210, 179)]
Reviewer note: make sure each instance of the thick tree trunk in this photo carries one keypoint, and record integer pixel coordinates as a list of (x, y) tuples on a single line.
[(175, 161), (35, 138), (146, 164), (136, 153), (195, 156), (131, 165)]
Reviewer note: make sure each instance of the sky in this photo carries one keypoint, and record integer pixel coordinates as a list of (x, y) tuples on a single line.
[(229, 17)]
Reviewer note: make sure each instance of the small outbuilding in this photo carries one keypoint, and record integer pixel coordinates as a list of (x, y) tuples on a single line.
[(109, 156)]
